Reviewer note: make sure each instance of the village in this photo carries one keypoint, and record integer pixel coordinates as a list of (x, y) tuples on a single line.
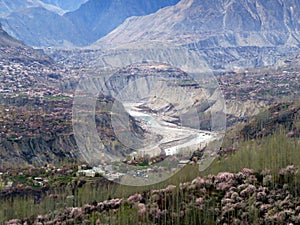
[(260, 85), (31, 97)]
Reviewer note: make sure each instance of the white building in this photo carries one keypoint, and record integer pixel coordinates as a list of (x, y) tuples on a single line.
[(86, 173)]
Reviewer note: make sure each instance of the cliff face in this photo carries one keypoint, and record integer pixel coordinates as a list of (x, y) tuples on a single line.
[(283, 116), (38, 150), (34, 113)]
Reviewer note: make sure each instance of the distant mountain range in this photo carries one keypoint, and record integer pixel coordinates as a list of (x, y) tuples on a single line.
[(55, 23), (58, 6), (37, 26), (68, 5), (9, 6), (228, 34), (101, 17), (12, 50), (223, 23)]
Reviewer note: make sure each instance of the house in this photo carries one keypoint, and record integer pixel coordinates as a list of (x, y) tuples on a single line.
[(86, 173), (38, 179), (170, 151), (82, 167), (184, 162)]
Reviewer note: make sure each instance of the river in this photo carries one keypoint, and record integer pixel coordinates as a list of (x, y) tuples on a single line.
[(175, 138)]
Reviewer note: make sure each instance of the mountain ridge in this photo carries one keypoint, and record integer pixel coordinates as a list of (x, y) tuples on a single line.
[(43, 23), (97, 15), (67, 5), (7, 6), (37, 26), (227, 23)]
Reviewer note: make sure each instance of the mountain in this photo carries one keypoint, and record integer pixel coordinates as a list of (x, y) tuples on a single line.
[(37, 26), (28, 81), (216, 23), (40, 23), (227, 34), (67, 5), (6, 40), (57, 6), (8, 6), (70, 23), (101, 17), (12, 50)]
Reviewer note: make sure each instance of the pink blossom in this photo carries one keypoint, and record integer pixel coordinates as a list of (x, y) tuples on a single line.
[(142, 209), (247, 171), (289, 170), (297, 219), (226, 201), (224, 181), (170, 188), (14, 222), (100, 206), (251, 179), (223, 186), (158, 213), (198, 181), (75, 212), (155, 191), (191, 187), (225, 176), (135, 198), (264, 208), (199, 201), (261, 196), (248, 191), (278, 217), (114, 203)]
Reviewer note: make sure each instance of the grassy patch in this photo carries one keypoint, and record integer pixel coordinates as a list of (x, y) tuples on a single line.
[(273, 153)]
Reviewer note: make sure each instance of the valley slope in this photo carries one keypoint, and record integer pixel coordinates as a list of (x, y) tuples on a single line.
[(227, 34)]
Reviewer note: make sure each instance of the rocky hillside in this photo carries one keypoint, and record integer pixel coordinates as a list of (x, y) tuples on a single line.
[(37, 26), (70, 23), (22, 66), (8, 41), (36, 97), (246, 91), (98, 18), (228, 34), (31, 106), (284, 115), (216, 23)]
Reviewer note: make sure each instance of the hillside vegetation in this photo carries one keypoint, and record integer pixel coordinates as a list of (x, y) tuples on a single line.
[(260, 186)]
